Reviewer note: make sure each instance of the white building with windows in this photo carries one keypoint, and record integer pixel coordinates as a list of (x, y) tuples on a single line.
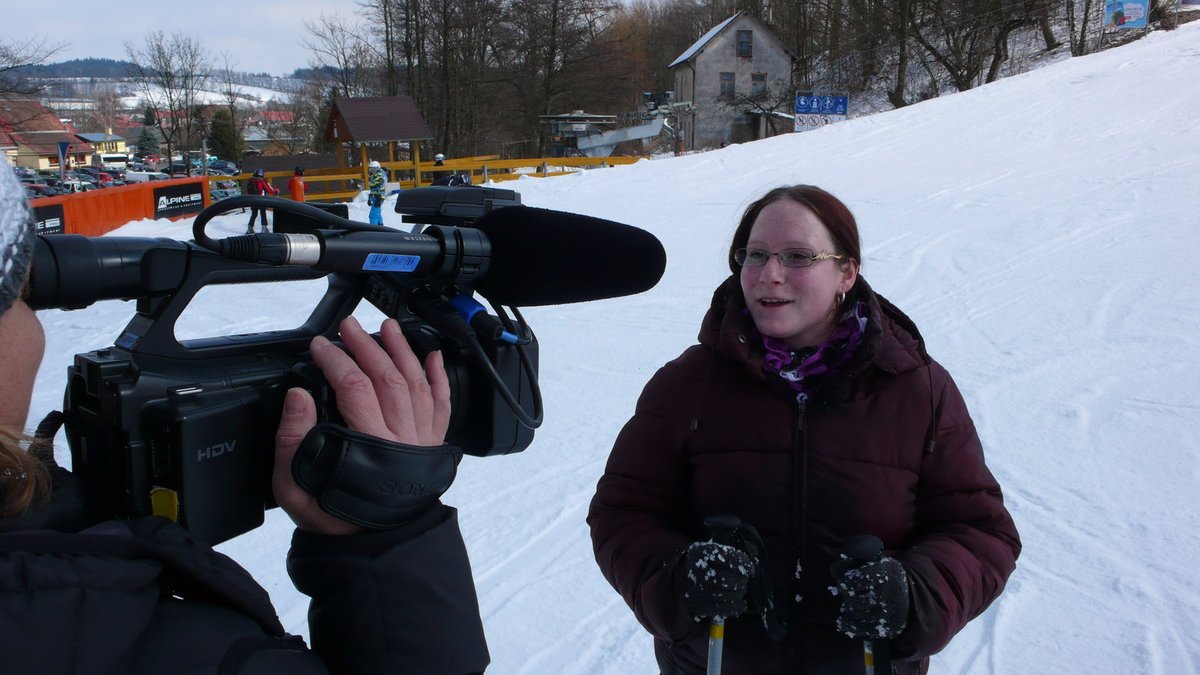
[(727, 80)]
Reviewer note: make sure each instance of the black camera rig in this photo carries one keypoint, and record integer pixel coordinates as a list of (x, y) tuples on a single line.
[(185, 428)]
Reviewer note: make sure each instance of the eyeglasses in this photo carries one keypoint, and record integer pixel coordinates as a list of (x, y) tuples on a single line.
[(788, 257)]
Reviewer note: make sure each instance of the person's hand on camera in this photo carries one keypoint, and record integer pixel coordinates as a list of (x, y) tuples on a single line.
[(714, 579), (874, 598), (381, 391)]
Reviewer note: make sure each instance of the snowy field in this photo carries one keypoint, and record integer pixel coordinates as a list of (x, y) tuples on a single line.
[(1043, 233), (134, 99)]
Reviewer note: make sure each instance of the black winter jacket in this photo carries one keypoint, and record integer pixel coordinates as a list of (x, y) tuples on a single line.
[(140, 596), (883, 446)]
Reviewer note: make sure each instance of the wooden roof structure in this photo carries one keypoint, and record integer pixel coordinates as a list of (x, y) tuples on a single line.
[(375, 119)]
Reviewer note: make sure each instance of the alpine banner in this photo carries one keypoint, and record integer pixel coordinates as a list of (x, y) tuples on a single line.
[(178, 200), (49, 219)]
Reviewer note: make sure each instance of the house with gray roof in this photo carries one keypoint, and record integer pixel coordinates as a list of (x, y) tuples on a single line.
[(730, 81)]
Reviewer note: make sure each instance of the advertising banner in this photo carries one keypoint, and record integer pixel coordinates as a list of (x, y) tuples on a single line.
[(178, 200), (49, 219), (1125, 13)]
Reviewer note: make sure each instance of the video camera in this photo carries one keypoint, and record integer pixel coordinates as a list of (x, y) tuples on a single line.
[(185, 428)]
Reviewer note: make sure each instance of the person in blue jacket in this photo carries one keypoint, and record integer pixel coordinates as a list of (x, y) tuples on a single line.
[(376, 181), (81, 595)]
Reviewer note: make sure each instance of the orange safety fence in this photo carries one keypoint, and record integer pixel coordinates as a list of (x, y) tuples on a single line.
[(99, 211)]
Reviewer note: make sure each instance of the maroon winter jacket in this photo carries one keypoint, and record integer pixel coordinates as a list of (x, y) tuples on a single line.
[(885, 447)]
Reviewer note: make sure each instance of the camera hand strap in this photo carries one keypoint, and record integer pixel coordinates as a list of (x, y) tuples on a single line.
[(369, 481)]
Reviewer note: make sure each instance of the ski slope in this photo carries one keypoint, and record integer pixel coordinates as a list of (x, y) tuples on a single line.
[(1042, 231)]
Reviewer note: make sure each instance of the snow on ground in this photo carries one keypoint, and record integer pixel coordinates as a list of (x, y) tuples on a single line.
[(135, 99), (1041, 231)]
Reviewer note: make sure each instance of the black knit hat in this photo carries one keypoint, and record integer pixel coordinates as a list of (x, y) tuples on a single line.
[(16, 238)]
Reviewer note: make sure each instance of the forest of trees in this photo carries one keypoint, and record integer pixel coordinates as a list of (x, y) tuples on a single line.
[(482, 71)]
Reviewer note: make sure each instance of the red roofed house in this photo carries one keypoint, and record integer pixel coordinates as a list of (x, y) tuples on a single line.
[(30, 134)]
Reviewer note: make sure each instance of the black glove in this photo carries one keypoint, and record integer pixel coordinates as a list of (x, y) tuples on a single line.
[(874, 598), (714, 578)]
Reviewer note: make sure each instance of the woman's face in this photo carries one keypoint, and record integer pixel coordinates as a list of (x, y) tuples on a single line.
[(22, 343), (794, 304)]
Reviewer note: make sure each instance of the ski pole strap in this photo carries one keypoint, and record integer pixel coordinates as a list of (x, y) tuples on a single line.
[(369, 481)]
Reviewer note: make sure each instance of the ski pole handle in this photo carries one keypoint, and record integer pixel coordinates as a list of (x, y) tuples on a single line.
[(877, 655), (723, 530)]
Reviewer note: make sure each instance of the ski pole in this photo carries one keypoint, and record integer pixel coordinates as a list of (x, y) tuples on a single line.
[(877, 655), (716, 642), (722, 529)]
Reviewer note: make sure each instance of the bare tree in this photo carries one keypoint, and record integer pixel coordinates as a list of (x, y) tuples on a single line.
[(766, 104), (341, 53), (18, 55), (228, 82), (170, 72), (295, 122), (384, 24), (548, 54), (1079, 15)]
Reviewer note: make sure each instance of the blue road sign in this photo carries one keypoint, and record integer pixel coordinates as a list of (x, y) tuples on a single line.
[(822, 105)]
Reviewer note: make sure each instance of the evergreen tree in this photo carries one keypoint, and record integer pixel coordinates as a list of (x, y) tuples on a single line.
[(226, 142), (149, 119), (147, 143)]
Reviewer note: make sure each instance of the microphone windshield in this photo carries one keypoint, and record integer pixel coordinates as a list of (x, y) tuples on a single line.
[(545, 257)]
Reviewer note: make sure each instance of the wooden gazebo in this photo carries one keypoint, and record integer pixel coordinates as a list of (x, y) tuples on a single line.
[(377, 119)]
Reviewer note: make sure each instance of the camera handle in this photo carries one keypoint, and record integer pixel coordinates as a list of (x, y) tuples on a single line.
[(151, 331)]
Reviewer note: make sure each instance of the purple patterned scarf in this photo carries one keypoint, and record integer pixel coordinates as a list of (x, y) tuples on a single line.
[(830, 355)]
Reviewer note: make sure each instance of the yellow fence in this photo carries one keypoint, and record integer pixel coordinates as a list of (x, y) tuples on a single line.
[(340, 184)]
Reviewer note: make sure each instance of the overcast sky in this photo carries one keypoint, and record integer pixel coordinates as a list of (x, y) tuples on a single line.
[(258, 36)]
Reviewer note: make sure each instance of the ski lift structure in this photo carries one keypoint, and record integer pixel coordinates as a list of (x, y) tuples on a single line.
[(579, 133)]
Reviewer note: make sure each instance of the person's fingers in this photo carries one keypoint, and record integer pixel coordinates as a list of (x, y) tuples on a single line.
[(356, 397), (415, 403), (439, 385), (398, 381), (299, 416)]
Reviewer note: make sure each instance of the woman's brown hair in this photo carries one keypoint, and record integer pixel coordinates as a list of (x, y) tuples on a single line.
[(833, 213), (24, 480)]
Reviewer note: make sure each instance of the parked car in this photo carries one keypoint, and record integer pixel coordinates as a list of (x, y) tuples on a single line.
[(144, 176), (35, 191), (224, 166), (73, 186)]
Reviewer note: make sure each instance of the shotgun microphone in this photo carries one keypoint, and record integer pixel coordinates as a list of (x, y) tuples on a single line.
[(545, 257), (517, 255)]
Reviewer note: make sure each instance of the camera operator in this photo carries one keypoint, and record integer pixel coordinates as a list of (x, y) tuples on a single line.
[(140, 596)]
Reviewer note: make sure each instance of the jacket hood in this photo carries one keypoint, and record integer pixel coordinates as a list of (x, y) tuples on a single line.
[(892, 343)]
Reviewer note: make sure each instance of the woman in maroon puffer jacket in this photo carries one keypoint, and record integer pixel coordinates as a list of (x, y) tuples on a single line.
[(810, 411)]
